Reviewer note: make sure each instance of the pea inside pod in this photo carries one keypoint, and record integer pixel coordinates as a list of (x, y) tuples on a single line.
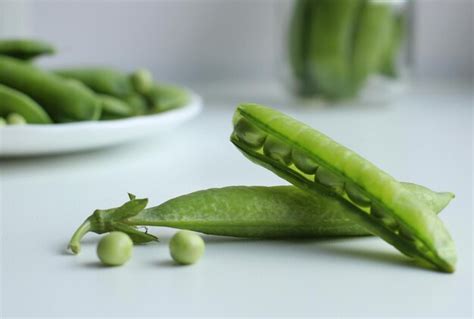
[(303, 162), (338, 167), (249, 134), (277, 150)]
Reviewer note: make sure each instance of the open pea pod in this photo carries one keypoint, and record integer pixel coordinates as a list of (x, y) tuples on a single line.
[(312, 161)]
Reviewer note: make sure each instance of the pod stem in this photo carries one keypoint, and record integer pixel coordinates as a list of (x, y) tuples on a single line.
[(114, 219), (75, 242)]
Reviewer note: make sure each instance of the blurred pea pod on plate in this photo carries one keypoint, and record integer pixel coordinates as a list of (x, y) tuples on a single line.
[(77, 108), (42, 139)]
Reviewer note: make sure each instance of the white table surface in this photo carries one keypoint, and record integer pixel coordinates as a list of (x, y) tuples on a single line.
[(425, 137)]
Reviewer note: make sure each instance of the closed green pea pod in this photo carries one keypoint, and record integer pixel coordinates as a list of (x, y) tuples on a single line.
[(299, 37), (372, 36), (14, 101), (391, 52), (163, 97), (137, 103), (114, 108), (142, 81), (25, 49), (102, 80), (397, 201), (242, 211), (332, 24), (62, 101)]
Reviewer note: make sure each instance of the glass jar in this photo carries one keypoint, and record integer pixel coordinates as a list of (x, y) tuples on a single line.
[(346, 49)]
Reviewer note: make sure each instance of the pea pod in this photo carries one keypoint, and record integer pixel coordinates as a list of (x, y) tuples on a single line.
[(372, 35), (298, 44), (142, 80), (25, 49), (137, 103), (391, 212), (242, 211), (13, 101), (114, 108), (163, 97), (332, 24), (63, 101), (100, 79), (388, 65)]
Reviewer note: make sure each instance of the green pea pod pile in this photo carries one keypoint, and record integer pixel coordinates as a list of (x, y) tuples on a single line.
[(335, 45), (32, 95), (13, 101), (63, 101), (316, 164)]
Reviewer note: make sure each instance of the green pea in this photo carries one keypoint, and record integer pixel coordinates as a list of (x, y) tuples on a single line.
[(115, 249), (406, 233), (357, 195), (384, 216), (2, 122), (186, 247), (277, 150), (249, 134), (328, 178), (142, 80), (303, 162), (15, 119)]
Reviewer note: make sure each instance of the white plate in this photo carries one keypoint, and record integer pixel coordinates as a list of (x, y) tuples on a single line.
[(27, 140)]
